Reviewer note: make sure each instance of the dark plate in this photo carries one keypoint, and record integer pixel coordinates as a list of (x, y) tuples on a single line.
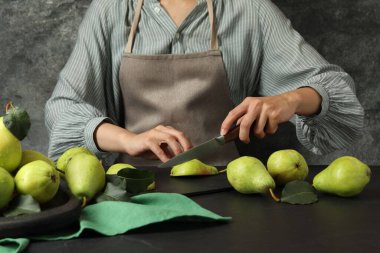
[(189, 186), (62, 211)]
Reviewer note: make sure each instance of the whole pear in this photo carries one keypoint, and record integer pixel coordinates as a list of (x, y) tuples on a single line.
[(346, 177), (32, 155), (38, 179), (287, 165), (7, 186), (193, 168), (85, 176), (248, 175), (68, 154), (10, 149)]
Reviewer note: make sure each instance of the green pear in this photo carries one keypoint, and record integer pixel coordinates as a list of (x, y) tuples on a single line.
[(32, 155), (38, 179), (85, 176), (114, 169), (14, 126), (10, 149), (287, 165), (248, 175), (7, 186), (346, 177), (193, 168), (68, 154)]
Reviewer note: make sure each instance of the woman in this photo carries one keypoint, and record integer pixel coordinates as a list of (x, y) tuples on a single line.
[(150, 79)]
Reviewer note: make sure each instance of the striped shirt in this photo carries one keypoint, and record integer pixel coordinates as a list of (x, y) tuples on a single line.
[(263, 56)]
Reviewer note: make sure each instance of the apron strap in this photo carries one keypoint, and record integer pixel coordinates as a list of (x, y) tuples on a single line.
[(136, 19), (214, 39), (135, 22)]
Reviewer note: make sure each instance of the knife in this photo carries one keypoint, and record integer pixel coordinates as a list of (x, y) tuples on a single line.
[(203, 149)]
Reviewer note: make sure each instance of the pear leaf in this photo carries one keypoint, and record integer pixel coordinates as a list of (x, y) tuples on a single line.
[(298, 192), (136, 180), (23, 204), (115, 190), (17, 121)]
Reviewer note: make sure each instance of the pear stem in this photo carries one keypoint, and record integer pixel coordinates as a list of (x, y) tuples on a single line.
[(274, 197), (222, 171), (84, 201), (63, 172), (8, 106)]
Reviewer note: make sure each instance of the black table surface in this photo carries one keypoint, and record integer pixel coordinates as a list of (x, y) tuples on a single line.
[(258, 224)]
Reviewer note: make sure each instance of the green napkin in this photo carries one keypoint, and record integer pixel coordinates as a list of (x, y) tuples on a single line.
[(10, 245), (114, 217)]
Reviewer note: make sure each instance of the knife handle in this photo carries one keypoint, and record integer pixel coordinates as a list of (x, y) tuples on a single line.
[(232, 135)]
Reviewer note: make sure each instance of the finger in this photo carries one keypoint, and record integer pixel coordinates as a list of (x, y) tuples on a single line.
[(246, 125), (239, 120), (232, 116), (157, 150), (271, 126), (181, 137), (172, 145), (260, 124)]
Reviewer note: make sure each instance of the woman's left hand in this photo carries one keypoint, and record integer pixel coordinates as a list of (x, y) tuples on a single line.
[(262, 115)]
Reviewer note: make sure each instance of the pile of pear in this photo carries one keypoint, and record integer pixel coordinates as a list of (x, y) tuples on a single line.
[(29, 172), (23, 172), (346, 176)]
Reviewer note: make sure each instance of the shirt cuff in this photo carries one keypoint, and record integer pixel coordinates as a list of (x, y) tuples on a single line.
[(89, 131), (312, 120)]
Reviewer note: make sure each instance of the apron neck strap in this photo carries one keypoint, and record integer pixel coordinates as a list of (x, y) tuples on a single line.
[(136, 19), (214, 39)]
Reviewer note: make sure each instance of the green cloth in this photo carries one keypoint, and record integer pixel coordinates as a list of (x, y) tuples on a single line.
[(10, 245), (114, 217)]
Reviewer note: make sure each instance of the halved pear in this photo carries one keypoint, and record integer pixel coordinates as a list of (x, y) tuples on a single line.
[(193, 168)]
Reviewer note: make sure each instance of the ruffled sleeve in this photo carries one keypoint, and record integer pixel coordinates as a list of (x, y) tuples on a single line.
[(289, 63), (78, 103)]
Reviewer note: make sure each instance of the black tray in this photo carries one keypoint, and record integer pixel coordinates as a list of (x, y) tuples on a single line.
[(189, 185), (62, 211)]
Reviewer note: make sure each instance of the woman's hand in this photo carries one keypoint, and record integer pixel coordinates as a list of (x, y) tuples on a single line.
[(262, 115), (161, 142)]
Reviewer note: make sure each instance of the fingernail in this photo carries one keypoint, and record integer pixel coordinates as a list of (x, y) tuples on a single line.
[(223, 131)]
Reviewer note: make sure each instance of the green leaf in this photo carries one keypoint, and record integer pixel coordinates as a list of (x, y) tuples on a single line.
[(17, 121), (23, 204), (115, 190), (136, 180), (298, 192)]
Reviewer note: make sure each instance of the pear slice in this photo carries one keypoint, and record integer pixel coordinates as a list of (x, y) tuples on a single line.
[(193, 168)]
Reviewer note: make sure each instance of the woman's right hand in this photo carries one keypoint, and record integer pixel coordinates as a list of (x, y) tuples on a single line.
[(160, 142)]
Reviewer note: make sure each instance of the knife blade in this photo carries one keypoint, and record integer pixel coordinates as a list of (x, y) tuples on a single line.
[(203, 149)]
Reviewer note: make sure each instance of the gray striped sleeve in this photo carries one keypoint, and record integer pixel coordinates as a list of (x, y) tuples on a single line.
[(77, 104), (289, 63)]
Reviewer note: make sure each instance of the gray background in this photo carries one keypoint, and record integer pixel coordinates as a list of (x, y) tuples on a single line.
[(36, 38)]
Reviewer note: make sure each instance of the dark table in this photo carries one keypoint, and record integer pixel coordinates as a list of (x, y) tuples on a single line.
[(258, 224)]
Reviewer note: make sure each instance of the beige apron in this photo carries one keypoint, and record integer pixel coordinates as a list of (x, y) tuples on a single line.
[(186, 91)]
